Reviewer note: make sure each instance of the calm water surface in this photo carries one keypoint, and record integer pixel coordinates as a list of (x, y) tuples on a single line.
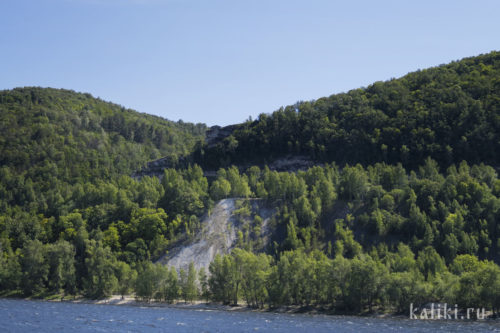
[(39, 316)]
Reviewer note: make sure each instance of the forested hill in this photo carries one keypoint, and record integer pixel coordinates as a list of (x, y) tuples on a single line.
[(55, 142), (68, 203), (450, 113), (74, 137), (421, 226)]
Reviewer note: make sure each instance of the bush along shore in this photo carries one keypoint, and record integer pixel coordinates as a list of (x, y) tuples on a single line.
[(311, 282)]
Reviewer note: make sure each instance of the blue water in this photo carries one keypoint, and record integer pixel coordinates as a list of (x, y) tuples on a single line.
[(39, 316)]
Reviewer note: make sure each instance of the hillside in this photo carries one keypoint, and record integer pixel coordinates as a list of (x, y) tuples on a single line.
[(52, 137), (83, 137), (380, 197), (66, 161), (449, 113)]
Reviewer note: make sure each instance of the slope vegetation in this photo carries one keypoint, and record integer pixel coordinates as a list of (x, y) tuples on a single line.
[(449, 113), (78, 137), (402, 207)]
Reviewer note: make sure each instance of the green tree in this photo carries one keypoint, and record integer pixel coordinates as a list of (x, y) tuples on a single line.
[(188, 284), (368, 280), (172, 285), (220, 189), (430, 262), (61, 260), (204, 291), (35, 267), (254, 273), (126, 277), (239, 183), (10, 269), (100, 263)]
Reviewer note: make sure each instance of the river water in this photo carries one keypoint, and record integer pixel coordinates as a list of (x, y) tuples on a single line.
[(40, 316)]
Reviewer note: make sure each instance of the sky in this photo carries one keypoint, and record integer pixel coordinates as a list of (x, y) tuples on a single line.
[(220, 62)]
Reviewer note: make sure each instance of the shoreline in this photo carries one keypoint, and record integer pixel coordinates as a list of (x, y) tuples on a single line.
[(132, 301), (117, 300)]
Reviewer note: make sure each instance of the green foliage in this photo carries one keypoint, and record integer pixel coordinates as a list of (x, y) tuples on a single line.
[(149, 280), (189, 289), (35, 267), (186, 192), (450, 113), (368, 281), (61, 261), (65, 173), (354, 285), (430, 263), (402, 209), (100, 264), (76, 137), (10, 269), (126, 276), (204, 291), (171, 287), (255, 270), (220, 189), (224, 280)]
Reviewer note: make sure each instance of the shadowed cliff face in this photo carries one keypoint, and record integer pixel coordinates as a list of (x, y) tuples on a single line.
[(219, 234), (289, 163), (216, 134)]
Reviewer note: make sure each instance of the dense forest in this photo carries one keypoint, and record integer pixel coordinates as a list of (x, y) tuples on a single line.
[(449, 113), (66, 161), (372, 226)]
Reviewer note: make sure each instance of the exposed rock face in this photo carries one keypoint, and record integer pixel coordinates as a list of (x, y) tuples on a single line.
[(216, 134), (155, 168), (288, 164), (291, 163), (218, 235)]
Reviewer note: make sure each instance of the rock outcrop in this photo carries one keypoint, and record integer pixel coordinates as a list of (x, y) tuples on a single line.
[(218, 234), (216, 134)]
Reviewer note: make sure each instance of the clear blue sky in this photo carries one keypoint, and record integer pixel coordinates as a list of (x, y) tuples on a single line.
[(221, 61)]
